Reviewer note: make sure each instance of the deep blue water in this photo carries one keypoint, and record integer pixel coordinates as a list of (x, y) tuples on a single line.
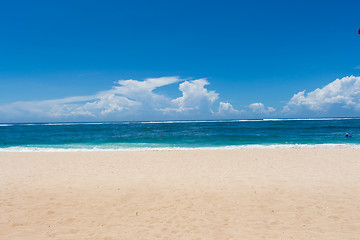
[(179, 134)]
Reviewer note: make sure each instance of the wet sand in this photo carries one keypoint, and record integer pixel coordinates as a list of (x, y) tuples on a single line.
[(197, 194)]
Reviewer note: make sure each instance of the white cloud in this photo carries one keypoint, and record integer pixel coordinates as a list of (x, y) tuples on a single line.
[(344, 92), (226, 107), (260, 108), (128, 98), (103, 105), (195, 97), (137, 100), (143, 90)]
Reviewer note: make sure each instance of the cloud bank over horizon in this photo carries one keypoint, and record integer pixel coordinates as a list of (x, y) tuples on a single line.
[(136, 100), (341, 95), (126, 100)]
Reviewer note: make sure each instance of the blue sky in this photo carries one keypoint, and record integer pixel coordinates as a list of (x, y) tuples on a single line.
[(62, 60)]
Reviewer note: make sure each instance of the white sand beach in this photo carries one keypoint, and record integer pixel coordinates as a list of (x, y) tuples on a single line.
[(197, 194)]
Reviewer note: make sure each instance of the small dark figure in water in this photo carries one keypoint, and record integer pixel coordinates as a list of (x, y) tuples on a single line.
[(347, 135)]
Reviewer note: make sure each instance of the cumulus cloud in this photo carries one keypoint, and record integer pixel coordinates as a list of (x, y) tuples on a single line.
[(103, 105), (125, 99), (137, 100), (344, 92), (143, 90), (226, 107), (194, 97), (260, 108), (127, 96)]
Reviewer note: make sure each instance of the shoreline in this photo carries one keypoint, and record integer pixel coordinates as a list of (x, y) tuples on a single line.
[(231, 147)]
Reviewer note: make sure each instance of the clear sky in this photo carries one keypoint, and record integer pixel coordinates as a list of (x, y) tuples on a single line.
[(62, 60)]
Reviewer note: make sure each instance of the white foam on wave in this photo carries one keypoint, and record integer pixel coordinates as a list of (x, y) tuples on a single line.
[(186, 121), (177, 121), (307, 119), (254, 120), (254, 146), (247, 120), (61, 124)]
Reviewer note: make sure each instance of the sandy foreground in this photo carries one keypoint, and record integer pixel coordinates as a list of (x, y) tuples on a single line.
[(197, 194)]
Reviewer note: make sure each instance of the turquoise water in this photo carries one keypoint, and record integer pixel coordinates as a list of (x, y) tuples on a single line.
[(179, 134)]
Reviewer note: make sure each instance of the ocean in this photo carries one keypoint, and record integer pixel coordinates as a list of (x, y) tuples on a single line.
[(259, 133)]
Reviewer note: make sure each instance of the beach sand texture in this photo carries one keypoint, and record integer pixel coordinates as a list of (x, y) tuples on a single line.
[(196, 194)]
